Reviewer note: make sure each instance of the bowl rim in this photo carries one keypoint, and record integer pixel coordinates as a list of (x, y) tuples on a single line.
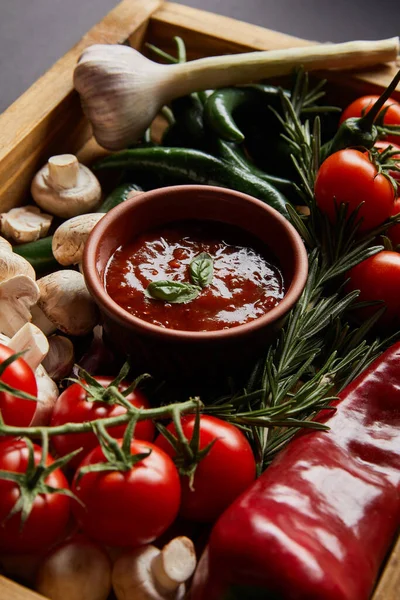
[(116, 312)]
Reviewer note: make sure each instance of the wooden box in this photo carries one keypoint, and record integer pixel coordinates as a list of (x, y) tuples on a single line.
[(47, 119)]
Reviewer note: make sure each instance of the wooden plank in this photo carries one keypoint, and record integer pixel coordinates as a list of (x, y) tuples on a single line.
[(9, 590), (208, 34), (389, 584), (48, 118)]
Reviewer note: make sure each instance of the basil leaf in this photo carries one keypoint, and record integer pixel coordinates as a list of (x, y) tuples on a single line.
[(202, 269), (172, 291)]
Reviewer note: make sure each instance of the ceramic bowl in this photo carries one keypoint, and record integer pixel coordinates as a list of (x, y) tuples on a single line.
[(175, 354)]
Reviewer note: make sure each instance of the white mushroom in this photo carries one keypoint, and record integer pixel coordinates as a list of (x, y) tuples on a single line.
[(17, 295), (148, 573), (60, 358), (66, 303), (70, 238), (40, 320), (32, 341), (12, 264), (47, 396), (76, 570), (175, 564), (5, 246), (25, 224), (65, 188)]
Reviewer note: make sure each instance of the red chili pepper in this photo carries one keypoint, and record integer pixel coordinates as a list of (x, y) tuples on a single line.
[(318, 523)]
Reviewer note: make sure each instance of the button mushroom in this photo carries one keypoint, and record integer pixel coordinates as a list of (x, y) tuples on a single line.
[(65, 303), (30, 340), (70, 238), (65, 187), (12, 264), (17, 295), (25, 224), (78, 569), (148, 573), (60, 357)]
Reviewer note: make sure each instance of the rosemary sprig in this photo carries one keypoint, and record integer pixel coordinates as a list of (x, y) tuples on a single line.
[(317, 352)]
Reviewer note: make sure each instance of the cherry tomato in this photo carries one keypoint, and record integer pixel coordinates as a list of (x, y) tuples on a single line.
[(364, 104), (349, 177), (19, 375), (382, 145), (224, 473), (128, 508), (48, 519), (73, 407), (378, 278)]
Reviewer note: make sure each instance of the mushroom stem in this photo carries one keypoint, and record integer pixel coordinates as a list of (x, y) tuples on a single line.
[(41, 321), (175, 564), (17, 295), (63, 171), (33, 341)]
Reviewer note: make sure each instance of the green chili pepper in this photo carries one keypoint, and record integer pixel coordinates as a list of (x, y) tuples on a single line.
[(188, 129), (234, 155), (180, 165), (39, 254), (117, 196), (359, 132), (220, 108)]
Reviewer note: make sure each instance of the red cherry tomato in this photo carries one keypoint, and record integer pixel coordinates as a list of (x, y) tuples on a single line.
[(48, 519), (224, 473), (73, 407), (128, 508), (378, 278), (382, 145), (364, 104), (349, 177), (19, 375)]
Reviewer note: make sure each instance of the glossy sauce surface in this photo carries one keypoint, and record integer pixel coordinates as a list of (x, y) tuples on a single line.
[(246, 283)]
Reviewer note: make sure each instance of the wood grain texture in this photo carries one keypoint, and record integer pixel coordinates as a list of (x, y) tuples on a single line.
[(389, 584), (9, 590), (47, 119)]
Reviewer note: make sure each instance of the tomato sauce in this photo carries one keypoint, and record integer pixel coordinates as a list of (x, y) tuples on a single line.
[(246, 282)]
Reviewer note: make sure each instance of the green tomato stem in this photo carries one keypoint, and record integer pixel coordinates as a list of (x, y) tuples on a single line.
[(161, 412)]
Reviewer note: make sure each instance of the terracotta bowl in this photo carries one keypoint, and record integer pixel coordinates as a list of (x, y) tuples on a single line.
[(187, 354)]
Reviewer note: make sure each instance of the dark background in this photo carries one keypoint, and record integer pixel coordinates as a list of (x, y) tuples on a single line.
[(36, 33)]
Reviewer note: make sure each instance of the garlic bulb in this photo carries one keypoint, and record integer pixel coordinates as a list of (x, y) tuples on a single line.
[(122, 91)]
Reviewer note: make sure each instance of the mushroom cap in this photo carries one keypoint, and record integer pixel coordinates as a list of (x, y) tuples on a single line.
[(66, 302), (17, 295), (66, 202), (5, 245), (25, 224), (70, 238), (60, 358), (13, 264)]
